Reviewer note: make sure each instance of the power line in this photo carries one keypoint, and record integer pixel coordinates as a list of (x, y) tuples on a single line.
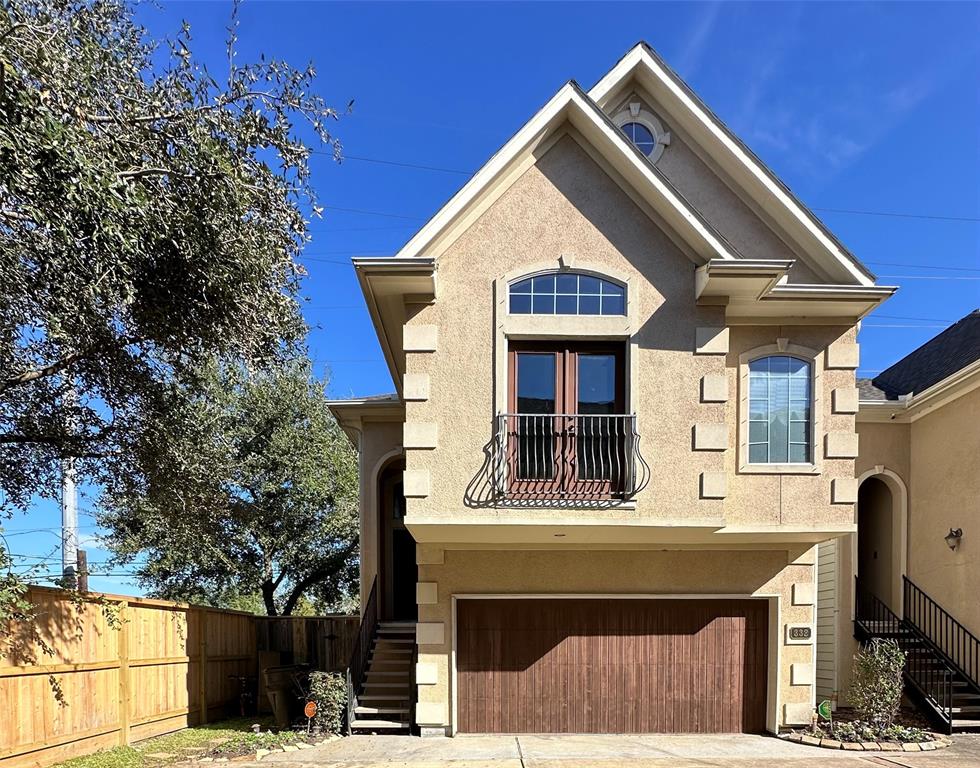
[(893, 214), (929, 277), (850, 211), (922, 266), (365, 212), (904, 317)]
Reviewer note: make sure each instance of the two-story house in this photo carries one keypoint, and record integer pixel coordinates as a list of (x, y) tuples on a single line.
[(625, 359)]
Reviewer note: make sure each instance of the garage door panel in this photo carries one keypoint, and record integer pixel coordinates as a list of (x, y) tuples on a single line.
[(611, 666)]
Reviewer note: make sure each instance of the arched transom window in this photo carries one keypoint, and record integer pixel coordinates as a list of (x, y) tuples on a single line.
[(780, 410), (567, 293)]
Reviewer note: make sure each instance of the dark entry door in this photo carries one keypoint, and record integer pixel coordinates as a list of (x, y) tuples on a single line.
[(612, 666), (405, 573)]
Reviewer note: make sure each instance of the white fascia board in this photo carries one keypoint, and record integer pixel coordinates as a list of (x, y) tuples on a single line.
[(639, 57), (570, 103)]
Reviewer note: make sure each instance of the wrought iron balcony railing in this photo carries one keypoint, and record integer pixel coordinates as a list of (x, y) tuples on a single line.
[(561, 458)]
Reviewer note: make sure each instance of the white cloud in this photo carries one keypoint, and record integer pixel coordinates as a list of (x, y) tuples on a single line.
[(690, 57)]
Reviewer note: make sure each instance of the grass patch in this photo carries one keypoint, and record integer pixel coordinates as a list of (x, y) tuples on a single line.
[(228, 738)]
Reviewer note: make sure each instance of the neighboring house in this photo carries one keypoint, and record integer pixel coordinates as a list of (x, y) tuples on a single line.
[(916, 554), (625, 418)]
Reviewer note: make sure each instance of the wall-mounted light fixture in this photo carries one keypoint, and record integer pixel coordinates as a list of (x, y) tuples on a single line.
[(953, 537)]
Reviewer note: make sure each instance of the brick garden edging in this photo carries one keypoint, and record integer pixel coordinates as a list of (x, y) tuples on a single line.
[(939, 742)]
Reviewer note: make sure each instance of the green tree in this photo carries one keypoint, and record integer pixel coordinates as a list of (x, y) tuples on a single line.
[(151, 214), (253, 490)]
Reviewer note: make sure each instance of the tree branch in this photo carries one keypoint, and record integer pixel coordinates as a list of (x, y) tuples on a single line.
[(39, 373)]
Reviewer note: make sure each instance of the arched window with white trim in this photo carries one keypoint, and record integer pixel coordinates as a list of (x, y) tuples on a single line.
[(566, 293), (780, 410)]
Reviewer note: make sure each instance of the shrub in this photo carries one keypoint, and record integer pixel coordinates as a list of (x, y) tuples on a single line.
[(876, 690), (329, 691)]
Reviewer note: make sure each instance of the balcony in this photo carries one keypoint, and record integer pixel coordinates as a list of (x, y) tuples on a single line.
[(560, 459)]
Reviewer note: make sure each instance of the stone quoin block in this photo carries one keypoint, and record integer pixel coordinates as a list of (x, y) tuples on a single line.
[(714, 388), (421, 338), (711, 340), (710, 437)]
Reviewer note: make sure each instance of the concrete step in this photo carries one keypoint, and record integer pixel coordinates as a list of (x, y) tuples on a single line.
[(396, 641), (379, 725), (385, 674), (381, 710), (965, 725), (383, 697)]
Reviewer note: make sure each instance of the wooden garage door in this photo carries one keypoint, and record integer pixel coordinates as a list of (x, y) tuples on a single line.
[(611, 666)]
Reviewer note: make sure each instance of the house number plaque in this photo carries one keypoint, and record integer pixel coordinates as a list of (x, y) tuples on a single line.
[(799, 633)]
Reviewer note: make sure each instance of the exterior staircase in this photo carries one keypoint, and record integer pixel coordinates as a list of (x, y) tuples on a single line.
[(943, 657), (383, 702)]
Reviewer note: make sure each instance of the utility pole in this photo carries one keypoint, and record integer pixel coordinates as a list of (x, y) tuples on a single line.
[(69, 523), (69, 501), (82, 570)]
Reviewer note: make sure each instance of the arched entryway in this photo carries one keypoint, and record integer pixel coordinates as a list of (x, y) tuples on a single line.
[(882, 523), (397, 571)]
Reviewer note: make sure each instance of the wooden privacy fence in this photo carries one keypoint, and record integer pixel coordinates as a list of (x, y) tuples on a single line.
[(125, 669)]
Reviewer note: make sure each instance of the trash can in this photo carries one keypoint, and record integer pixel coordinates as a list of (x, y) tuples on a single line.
[(283, 686)]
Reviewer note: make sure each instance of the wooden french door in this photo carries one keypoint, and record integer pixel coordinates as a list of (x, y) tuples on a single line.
[(566, 426)]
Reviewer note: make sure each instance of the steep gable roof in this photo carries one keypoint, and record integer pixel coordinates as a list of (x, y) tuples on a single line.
[(571, 105), (644, 66), (949, 352)]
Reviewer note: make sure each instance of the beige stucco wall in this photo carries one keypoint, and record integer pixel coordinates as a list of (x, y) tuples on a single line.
[(945, 493), (726, 211), (631, 572), (567, 204)]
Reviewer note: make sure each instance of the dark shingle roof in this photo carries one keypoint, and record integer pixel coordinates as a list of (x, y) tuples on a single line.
[(950, 351), (868, 391)]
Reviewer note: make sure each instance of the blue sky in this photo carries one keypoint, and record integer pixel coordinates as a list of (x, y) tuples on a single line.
[(859, 107)]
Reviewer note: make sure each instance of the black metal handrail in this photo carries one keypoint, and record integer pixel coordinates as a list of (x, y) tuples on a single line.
[(360, 651), (567, 457), (959, 647), (925, 672)]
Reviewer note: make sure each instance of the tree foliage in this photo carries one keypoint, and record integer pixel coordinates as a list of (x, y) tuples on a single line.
[(150, 217), (252, 490)]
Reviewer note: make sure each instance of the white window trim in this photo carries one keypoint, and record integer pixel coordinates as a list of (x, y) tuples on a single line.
[(650, 121), (815, 360)]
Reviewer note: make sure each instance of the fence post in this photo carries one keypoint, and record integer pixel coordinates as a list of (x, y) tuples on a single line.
[(125, 695), (202, 677)]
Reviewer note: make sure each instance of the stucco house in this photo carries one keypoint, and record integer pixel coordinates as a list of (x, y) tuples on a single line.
[(626, 416), (913, 568)]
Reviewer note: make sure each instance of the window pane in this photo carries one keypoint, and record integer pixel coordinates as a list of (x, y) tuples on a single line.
[(758, 454), (778, 438), (798, 368), (588, 284), (758, 432), (588, 305), (544, 305), (613, 305), (611, 289), (779, 364), (535, 382), (798, 454), (797, 432), (544, 284), (566, 305), (522, 287), (520, 304), (758, 386), (596, 384), (568, 284), (760, 366), (758, 410)]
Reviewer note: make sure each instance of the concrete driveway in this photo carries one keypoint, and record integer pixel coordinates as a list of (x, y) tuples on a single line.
[(675, 751)]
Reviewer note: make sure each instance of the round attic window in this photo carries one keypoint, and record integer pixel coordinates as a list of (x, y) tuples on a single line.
[(643, 129), (641, 136)]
